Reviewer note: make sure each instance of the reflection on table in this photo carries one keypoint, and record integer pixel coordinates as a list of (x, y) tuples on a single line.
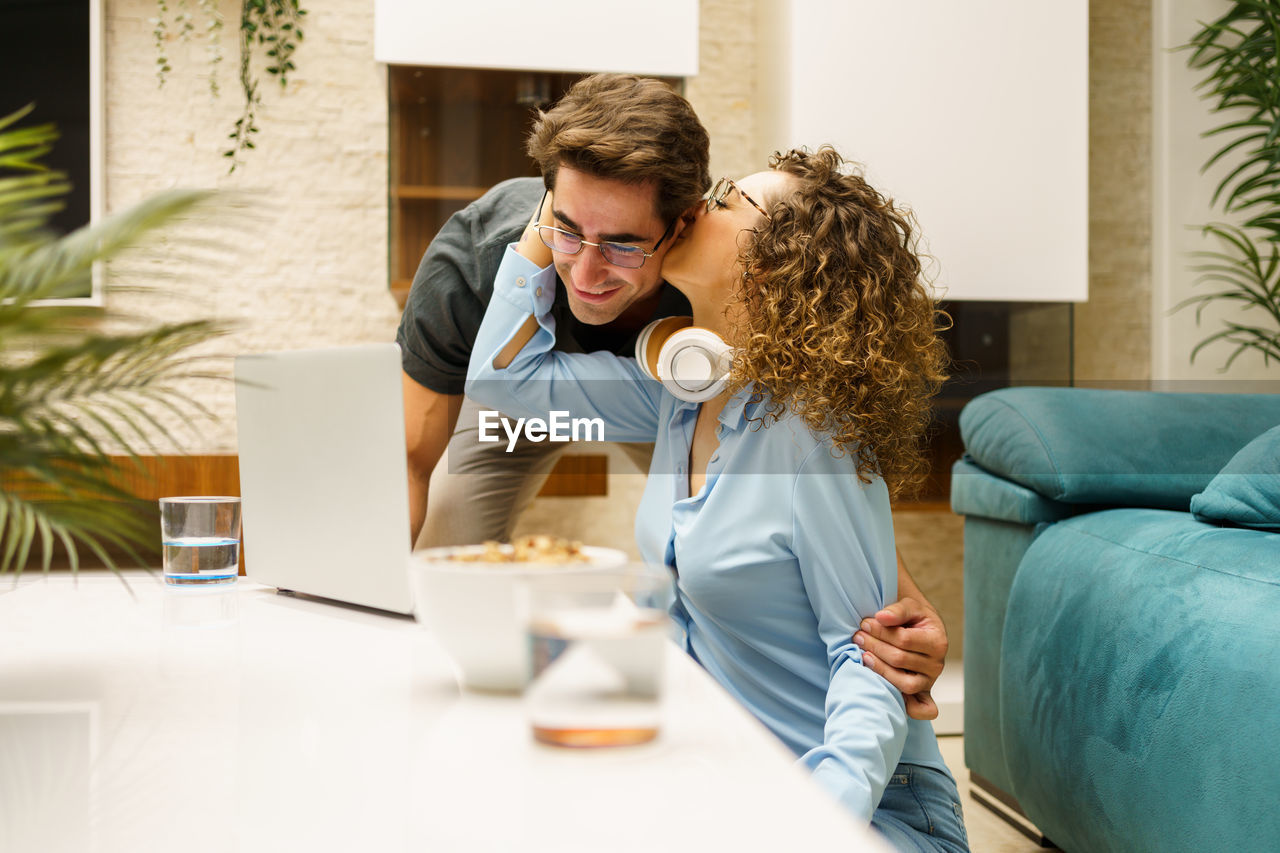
[(143, 718)]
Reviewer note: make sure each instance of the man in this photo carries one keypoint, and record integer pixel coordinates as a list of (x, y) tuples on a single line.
[(635, 159)]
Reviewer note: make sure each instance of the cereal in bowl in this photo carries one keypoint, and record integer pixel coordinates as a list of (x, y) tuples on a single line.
[(538, 548)]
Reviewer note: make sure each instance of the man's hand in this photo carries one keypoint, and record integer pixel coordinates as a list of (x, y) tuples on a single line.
[(906, 644)]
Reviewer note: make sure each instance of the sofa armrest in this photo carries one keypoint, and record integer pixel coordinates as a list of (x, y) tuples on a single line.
[(977, 492), (1118, 448)]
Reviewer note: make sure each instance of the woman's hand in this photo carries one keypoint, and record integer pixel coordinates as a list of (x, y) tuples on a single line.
[(531, 245)]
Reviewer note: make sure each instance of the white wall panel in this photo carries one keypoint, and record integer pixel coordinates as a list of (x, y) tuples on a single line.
[(657, 37), (974, 114)]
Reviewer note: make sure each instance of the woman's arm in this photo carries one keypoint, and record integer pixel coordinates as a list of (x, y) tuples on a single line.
[(514, 370), (843, 540), (534, 250)]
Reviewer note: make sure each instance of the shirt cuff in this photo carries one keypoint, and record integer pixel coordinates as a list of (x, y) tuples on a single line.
[(524, 284)]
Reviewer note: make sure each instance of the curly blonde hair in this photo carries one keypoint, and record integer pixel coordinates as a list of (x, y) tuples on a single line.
[(839, 326)]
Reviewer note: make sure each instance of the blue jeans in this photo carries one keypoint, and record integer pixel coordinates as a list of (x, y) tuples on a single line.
[(920, 811)]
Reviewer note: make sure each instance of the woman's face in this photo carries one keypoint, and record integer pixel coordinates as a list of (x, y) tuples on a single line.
[(704, 257)]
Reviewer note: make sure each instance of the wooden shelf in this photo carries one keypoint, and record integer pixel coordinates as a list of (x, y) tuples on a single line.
[(400, 288), (922, 506), (453, 133), (151, 477), (578, 475), (420, 191)]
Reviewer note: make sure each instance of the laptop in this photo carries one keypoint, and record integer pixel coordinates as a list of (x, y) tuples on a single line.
[(323, 476)]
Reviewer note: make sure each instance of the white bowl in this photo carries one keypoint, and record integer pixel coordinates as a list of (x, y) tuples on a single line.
[(474, 609)]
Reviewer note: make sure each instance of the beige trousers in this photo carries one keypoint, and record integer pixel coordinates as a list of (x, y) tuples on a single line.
[(478, 489)]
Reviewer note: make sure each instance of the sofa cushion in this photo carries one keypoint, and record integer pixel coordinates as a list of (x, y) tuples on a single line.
[(1247, 490), (1138, 692), (1116, 448)]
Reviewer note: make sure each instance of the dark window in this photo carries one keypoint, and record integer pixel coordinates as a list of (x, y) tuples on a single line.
[(44, 59)]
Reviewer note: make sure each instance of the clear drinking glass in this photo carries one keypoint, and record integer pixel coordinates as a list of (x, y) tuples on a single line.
[(597, 642), (201, 540)]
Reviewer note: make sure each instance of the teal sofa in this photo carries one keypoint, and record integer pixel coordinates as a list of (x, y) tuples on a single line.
[(1122, 653)]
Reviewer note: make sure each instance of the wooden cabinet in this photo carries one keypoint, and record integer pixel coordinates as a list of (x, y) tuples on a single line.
[(455, 132)]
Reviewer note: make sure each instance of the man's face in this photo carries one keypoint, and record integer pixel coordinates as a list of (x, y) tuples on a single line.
[(600, 210)]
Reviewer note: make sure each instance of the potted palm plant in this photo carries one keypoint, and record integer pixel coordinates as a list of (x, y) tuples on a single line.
[(76, 386), (1238, 55)]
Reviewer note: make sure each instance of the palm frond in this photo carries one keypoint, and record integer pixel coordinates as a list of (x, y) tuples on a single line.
[(1247, 279), (68, 386), (1239, 57), (1238, 54)]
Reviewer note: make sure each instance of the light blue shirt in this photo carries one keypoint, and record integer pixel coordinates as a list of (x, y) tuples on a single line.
[(778, 557)]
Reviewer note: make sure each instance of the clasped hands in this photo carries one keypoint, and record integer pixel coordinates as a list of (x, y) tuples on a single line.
[(906, 644)]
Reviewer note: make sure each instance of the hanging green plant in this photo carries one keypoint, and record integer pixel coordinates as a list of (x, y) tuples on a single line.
[(270, 31), (1238, 53)]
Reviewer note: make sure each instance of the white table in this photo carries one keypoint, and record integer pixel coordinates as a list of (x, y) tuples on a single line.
[(246, 720)]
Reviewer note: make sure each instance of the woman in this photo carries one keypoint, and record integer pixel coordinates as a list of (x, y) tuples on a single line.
[(772, 470)]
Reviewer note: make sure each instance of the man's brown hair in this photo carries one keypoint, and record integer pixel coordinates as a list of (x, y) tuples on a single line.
[(626, 128)]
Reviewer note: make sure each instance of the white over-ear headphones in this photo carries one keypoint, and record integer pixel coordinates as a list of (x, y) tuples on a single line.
[(690, 361)]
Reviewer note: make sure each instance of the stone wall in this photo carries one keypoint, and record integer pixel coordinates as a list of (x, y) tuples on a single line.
[(1113, 329), (309, 268), (723, 93)]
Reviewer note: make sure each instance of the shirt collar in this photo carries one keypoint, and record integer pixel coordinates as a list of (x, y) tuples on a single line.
[(740, 408)]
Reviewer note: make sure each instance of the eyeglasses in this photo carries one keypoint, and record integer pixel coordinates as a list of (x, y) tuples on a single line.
[(623, 255), (619, 254), (721, 191)]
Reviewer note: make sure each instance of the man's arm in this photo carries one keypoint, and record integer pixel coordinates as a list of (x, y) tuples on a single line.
[(429, 419), (906, 643), (445, 307)]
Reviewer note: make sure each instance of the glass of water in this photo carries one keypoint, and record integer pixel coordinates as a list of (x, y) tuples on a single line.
[(201, 540), (597, 643)]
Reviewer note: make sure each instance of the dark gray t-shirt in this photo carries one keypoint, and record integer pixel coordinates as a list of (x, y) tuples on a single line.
[(454, 282)]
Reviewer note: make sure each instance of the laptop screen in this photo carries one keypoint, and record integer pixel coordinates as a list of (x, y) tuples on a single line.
[(323, 477)]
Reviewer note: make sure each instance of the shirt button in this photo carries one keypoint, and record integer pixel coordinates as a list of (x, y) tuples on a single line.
[(537, 292), (520, 282), (715, 457)]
